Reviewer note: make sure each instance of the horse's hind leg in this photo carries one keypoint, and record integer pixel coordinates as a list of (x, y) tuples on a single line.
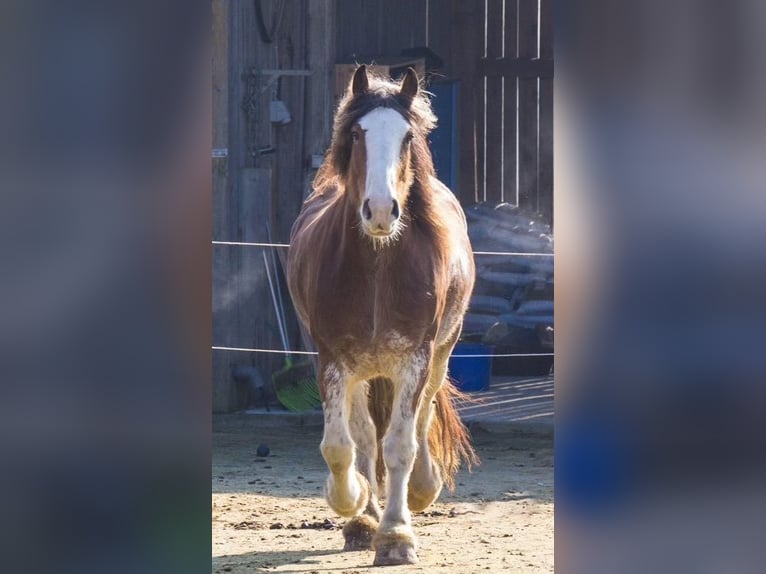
[(426, 478), (395, 541), (347, 491), (359, 531)]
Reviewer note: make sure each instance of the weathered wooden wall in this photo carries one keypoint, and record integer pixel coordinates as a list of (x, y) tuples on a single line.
[(371, 29), (505, 96), (260, 184), (243, 315)]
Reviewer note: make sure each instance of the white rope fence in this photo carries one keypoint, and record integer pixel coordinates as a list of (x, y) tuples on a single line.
[(281, 352), (287, 245), (458, 356)]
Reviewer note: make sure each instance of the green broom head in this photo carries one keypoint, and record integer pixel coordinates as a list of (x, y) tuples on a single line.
[(296, 386)]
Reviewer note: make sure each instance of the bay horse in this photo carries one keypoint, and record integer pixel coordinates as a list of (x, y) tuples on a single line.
[(380, 270)]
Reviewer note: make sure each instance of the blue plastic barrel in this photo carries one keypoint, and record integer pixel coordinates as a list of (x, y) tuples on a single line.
[(471, 373)]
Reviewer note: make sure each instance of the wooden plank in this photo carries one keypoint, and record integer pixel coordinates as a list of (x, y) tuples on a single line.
[(220, 95), (357, 30), (320, 103), (480, 111), (509, 104), (402, 25), (372, 29), (528, 125), (220, 56), (242, 320), (289, 161), (545, 150), (222, 395), (346, 23), (226, 262), (258, 326), (418, 23), (546, 29), (440, 34), (510, 28), (255, 189), (240, 288), (493, 113), (466, 24)]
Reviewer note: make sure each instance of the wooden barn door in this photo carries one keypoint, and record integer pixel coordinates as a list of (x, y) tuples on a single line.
[(511, 104)]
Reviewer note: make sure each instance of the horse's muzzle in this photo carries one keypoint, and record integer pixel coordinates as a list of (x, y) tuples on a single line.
[(380, 216)]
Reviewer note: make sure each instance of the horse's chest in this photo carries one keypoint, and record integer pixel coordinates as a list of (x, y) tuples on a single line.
[(375, 303)]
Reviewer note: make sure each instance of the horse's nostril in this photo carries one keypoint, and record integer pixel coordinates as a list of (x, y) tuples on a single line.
[(366, 210), (395, 210)]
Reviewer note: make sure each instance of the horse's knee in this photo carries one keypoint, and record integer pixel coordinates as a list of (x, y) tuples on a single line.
[(399, 450)]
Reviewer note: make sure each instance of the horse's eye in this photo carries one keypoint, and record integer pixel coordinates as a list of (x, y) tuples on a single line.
[(354, 136), (408, 137)]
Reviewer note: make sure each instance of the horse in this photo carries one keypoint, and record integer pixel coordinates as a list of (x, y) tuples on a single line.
[(380, 270)]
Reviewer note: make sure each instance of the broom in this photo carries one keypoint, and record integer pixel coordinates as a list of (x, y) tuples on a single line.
[(295, 384)]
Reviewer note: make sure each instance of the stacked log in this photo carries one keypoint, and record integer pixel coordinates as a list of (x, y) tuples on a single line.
[(512, 305)]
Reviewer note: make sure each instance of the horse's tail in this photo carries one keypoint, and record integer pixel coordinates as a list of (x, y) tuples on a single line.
[(380, 402), (448, 439)]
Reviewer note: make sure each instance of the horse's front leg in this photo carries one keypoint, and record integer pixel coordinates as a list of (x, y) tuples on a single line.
[(347, 491), (359, 531), (395, 542)]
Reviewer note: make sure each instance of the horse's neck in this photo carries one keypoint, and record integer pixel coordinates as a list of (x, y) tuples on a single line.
[(348, 212)]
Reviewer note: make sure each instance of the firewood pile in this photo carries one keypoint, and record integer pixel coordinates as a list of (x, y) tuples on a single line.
[(512, 305)]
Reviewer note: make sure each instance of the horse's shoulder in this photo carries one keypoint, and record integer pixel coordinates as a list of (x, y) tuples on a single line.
[(447, 200), (315, 207), (320, 198)]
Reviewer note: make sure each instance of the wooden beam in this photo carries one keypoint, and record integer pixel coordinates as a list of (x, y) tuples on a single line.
[(529, 54), (510, 101), (516, 67), (320, 103), (465, 24), (545, 151), (493, 111), (281, 72)]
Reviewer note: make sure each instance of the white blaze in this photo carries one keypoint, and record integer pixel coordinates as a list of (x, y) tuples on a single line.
[(384, 133)]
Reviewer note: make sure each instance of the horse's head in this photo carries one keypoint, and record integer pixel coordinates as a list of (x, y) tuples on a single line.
[(384, 138)]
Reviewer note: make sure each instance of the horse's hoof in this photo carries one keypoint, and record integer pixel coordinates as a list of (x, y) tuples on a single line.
[(394, 548), (359, 531), (395, 556)]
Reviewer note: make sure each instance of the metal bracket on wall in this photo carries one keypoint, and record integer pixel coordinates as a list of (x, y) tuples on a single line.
[(252, 94), (255, 88)]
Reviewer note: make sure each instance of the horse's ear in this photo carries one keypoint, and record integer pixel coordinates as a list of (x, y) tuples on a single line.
[(410, 84), (360, 84)]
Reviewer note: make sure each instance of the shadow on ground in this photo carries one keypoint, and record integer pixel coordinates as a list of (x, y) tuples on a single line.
[(266, 561)]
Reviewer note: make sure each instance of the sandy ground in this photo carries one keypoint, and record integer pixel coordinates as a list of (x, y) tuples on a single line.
[(269, 514)]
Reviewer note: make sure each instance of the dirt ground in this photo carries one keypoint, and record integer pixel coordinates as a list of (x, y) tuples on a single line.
[(269, 514)]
